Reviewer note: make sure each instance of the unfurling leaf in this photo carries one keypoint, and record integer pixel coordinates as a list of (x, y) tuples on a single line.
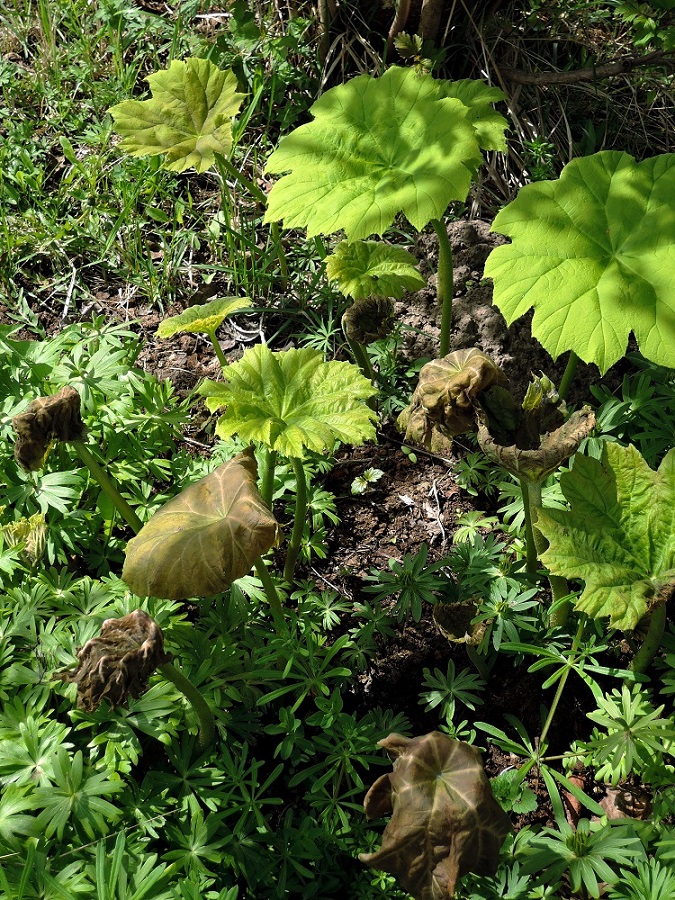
[(593, 252), (30, 532), (188, 119), (117, 664), (376, 147), (292, 401), (444, 820), (555, 447), (369, 320), (57, 417), (205, 318), (445, 400), (205, 538), (618, 535), (372, 269)]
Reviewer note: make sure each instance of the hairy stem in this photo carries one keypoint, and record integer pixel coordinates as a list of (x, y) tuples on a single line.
[(530, 546), (267, 481), (559, 586), (197, 702), (446, 283), (652, 642), (298, 521), (361, 358), (270, 592), (568, 375), (218, 350), (108, 486)]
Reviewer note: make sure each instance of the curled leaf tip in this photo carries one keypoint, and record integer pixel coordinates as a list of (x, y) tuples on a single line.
[(368, 320), (445, 399), (118, 663), (444, 820), (56, 417)]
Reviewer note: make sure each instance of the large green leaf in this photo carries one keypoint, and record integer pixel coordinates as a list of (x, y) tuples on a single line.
[(371, 269), (206, 317), (376, 147), (205, 538), (594, 254), (444, 820), (618, 536), (292, 401), (188, 119), (490, 125)]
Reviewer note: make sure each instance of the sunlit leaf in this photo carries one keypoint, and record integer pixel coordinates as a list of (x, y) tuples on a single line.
[(593, 253), (618, 536), (292, 401), (371, 269), (204, 318), (188, 119)]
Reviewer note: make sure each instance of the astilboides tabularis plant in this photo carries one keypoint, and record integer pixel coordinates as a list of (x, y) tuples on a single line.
[(444, 822), (467, 391), (593, 254), (405, 142)]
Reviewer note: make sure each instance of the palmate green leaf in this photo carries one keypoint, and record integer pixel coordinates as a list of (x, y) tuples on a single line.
[(490, 125), (188, 118), (618, 536), (376, 147), (292, 401), (204, 318), (371, 269), (205, 538), (593, 253)]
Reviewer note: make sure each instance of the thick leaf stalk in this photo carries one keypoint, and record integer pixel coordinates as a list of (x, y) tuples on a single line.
[(446, 283), (298, 520), (559, 586), (196, 701), (107, 485), (652, 641)]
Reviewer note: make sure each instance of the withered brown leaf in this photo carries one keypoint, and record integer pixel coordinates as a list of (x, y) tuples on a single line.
[(444, 820), (47, 418), (117, 664)]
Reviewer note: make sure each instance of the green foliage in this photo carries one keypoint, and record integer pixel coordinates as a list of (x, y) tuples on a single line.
[(292, 401), (589, 252), (449, 688), (634, 737), (512, 794), (412, 582), (188, 118), (618, 535), (373, 150), (370, 269), (207, 317)]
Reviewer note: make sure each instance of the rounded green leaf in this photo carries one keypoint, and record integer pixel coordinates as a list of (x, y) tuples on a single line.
[(188, 118), (594, 254), (205, 318), (292, 401), (490, 125), (371, 269), (376, 147), (618, 535), (205, 538)]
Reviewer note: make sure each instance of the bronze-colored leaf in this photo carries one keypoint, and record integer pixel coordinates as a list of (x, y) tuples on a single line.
[(51, 418), (445, 399), (455, 622), (555, 447), (368, 320), (117, 664), (445, 821), (201, 541)]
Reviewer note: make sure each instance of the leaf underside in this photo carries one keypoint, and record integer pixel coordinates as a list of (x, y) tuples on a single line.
[(376, 147), (292, 401), (593, 253), (205, 538), (205, 318), (188, 119), (444, 820), (618, 536)]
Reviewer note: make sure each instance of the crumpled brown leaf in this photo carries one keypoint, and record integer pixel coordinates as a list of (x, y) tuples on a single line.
[(369, 319), (444, 820), (117, 664), (555, 447), (444, 402), (47, 418)]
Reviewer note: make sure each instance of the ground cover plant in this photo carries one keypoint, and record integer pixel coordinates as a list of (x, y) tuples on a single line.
[(252, 644)]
